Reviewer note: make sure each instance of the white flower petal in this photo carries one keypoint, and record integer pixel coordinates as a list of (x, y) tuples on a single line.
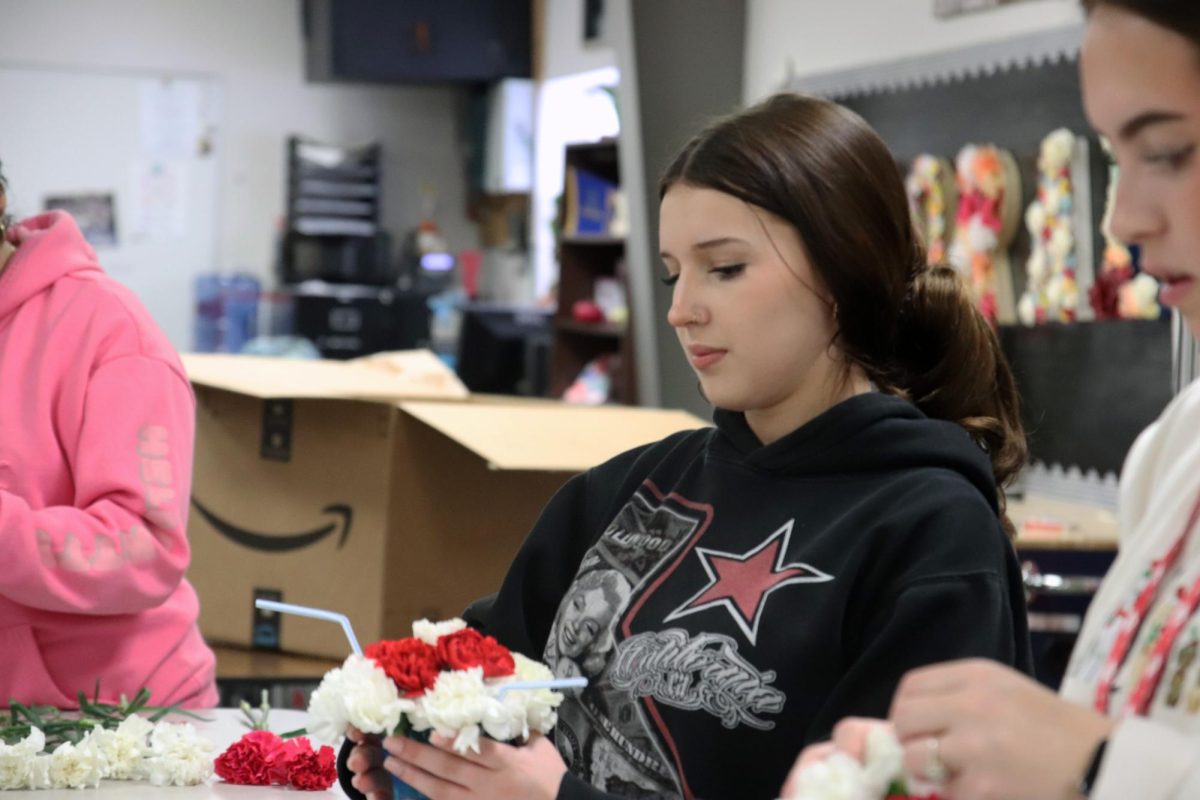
[(429, 632), (358, 693), (839, 777)]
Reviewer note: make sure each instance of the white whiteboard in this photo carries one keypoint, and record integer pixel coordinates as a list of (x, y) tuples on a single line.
[(151, 142)]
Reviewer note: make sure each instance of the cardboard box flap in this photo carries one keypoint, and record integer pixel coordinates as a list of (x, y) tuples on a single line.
[(414, 374), (559, 438)]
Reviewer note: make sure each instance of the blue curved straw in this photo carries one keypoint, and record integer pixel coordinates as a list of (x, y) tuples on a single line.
[(557, 683), (315, 613)]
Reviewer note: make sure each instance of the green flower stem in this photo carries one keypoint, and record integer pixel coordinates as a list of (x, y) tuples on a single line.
[(61, 725)]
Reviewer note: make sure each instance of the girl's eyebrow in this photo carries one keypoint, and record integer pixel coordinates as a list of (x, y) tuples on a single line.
[(709, 244), (1147, 119)]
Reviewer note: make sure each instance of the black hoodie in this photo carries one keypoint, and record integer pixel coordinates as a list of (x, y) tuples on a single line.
[(731, 601)]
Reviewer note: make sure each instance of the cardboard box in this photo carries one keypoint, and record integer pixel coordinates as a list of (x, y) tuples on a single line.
[(356, 487)]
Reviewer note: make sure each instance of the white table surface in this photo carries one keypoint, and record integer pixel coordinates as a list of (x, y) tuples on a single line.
[(224, 730)]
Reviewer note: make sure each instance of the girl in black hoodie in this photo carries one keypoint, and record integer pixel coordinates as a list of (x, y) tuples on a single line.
[(732, 592)]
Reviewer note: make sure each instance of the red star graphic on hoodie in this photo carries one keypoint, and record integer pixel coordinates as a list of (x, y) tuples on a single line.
[(741, 583)]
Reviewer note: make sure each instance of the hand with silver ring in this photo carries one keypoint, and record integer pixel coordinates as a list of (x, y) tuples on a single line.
[(976, 728)]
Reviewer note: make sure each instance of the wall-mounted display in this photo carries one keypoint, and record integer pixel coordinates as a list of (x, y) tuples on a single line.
[(989, 202), (933, 196), (1052, 292)]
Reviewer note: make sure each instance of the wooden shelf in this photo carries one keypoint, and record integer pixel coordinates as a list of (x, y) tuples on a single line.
[(583, 260), (605, 329)]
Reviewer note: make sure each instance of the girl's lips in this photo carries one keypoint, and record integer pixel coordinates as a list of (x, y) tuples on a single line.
[(704, 357), (1175, 289)]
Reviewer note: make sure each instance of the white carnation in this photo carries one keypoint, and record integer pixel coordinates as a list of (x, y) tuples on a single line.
[(123, 748), (842, 777), (16, 760), (76, 766), (885, 760), (136, 727), (504, 719), (15, 770), (358, 693), (39, 771), (456, 706), (429, 632), (539, 704), (32, 744), (526, 669), (839, 777), (177, 756), (120, 754)]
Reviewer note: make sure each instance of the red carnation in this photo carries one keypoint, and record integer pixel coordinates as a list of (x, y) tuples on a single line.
[(410, 663), (279, 761), (247, 761), (468, 648), (461, 649), (313, 772), (497, 660)]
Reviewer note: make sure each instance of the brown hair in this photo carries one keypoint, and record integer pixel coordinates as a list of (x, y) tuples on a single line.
[(1177, 15), (913, 329)]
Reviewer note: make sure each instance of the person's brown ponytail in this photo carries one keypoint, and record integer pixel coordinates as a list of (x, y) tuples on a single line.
[(948, 362)]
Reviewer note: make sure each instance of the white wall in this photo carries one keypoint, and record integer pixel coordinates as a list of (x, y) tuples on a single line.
[(818, 36), (563, 50), (569, 108), (256, 49)]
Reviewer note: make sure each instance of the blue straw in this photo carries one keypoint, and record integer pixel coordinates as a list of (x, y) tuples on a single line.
[(557, 683), (315, 613)]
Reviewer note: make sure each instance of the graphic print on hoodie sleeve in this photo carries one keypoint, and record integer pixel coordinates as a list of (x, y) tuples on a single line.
[(744, 595)]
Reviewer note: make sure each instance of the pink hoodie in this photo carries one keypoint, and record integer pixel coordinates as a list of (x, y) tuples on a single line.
[(96, 430)]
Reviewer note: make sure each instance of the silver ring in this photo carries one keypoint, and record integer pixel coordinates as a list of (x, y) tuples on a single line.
[(935, 769)]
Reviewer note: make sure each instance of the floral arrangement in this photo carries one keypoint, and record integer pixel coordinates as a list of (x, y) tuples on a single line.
[(930, 186), (983, 225), (44, 748), (1053, 293), (446, 678), (879, 776), (262, 758)]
